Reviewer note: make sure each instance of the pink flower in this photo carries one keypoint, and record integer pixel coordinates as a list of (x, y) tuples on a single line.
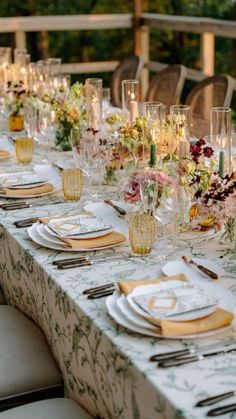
[(132, 189)]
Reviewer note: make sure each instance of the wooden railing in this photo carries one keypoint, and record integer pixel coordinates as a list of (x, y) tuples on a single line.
[(141, 23)]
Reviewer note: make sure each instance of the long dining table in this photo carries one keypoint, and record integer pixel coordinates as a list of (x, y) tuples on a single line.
[(106, 368)]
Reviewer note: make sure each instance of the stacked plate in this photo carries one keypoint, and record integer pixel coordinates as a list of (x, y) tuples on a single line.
[(75, 232), (43, 180), (148, 307)]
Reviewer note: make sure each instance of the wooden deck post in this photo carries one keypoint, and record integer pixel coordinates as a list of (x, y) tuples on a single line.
[(20, 39), (208, 53), (141, 41)]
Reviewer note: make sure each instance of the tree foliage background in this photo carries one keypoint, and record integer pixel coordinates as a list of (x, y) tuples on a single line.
[(82, 46)]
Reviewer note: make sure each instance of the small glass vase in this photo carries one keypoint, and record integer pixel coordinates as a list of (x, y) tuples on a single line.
[(142, 232), (63, 133), (228, 235), (16, 122)]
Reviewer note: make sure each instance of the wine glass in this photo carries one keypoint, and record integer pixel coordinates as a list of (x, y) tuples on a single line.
[(86, 156), (47, 124)]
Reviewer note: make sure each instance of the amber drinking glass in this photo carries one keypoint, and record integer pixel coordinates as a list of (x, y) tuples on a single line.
[(24, 150), (72, 184)]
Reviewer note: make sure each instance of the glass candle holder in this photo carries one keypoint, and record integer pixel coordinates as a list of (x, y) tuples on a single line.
[(180, 124), (221, 136), (24, 150), (93, 87), (72, 184), (142, 233), (130, 98)]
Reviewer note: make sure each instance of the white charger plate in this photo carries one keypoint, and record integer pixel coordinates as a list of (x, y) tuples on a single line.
[(178, 266), (117, 315), (43, 241), (152, 288)]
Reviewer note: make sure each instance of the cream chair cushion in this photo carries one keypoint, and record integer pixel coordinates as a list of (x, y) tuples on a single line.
[(26, 363), (47, 409)]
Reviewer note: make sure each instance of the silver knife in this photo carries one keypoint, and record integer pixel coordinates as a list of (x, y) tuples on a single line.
[(192, 358), (215, 399), (222, 410), (20, 205), (188, 351)]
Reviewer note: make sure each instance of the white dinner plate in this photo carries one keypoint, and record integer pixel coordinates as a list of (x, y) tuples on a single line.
[(117, 315), (178, 266), (43, 241), (190, 315), (109, 215), (47, 173)]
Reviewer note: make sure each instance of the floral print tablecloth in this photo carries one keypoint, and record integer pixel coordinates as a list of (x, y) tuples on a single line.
[(105, 367)]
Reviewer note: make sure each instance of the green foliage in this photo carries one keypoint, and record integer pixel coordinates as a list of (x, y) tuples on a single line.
[(166, 46)]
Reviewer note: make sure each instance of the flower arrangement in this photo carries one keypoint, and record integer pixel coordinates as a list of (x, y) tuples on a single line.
[(131, 137), (145, 180), (70, 109), (15, 97), (215, 195)]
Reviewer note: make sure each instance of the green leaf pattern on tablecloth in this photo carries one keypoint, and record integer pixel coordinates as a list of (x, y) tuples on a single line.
[(105, 367)]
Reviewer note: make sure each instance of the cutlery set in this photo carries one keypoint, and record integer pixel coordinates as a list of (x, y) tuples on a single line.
[(100, 291), (82, 261), (184, 356)]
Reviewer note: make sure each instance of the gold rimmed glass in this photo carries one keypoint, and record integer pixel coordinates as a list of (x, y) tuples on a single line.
[(72, 184)]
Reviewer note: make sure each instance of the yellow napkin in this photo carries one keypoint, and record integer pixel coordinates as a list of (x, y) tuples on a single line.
[(4, 153), (109, 239), (219, 318), (47, 187)]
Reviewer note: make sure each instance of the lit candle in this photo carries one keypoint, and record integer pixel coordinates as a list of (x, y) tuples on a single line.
[(183, 149), (95, 114), (221, 163), (133, 111)]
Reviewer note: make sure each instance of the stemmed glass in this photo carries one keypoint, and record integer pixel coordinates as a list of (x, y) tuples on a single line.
[(47, 124), (85, 155), (162, 201)]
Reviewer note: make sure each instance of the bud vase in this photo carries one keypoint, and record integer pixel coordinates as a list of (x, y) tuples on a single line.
[(16, 122)]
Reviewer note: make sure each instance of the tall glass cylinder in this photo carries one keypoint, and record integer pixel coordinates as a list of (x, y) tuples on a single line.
[(154, 113), (54, 67), (220, 135), (93, 87), (180, 124), (130, 98)]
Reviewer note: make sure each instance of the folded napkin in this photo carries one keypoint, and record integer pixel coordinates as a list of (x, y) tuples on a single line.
[(219, 318), (126, 287), (4, 153), (109, 239), (47, 187)]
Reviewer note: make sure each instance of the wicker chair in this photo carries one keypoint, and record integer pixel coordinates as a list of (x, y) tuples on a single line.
[(211, 92), (167, 85), (128, 69)]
